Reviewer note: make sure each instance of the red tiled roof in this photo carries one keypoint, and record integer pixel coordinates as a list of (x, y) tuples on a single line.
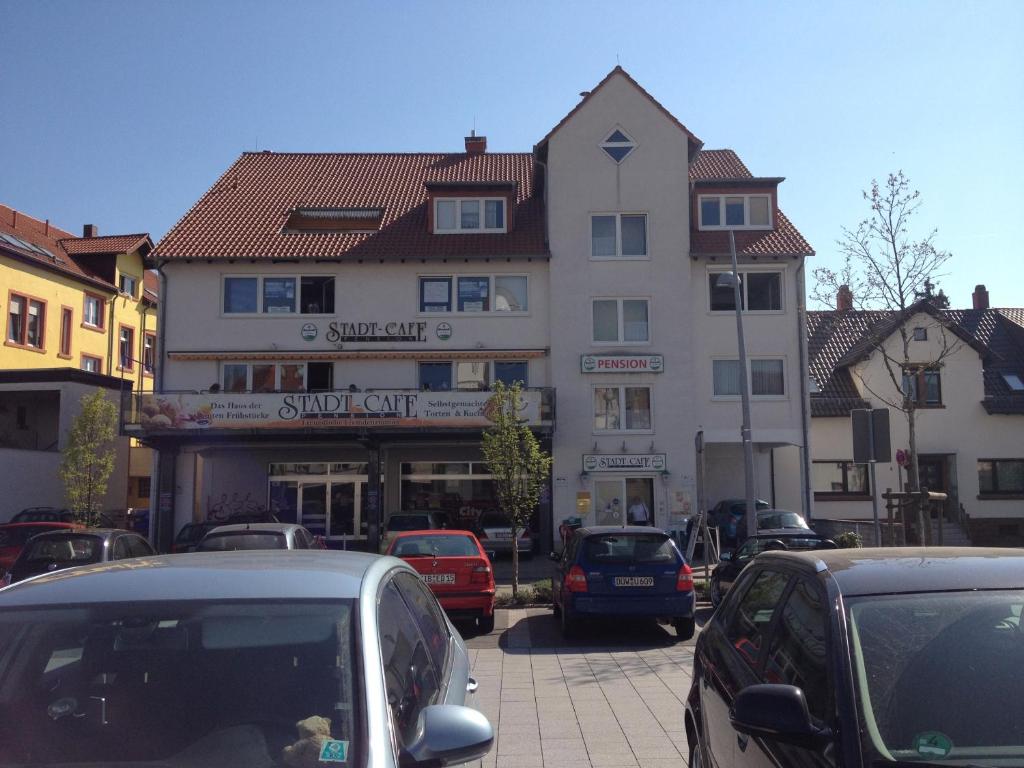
[(784, 240), (718, 164), (61, 246), (242, 215), (150, 285), (694, 141), (106, 244)]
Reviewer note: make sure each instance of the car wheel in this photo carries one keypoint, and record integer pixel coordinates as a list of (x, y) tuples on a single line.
[(685, 627), (716, 591), (568, 624), (485, 624)]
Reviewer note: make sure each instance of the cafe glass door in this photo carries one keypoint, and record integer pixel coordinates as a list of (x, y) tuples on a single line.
[(624, 501), (329, 500)]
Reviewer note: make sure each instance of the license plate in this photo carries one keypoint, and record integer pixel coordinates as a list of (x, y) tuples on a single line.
[(439, 578), (634, 581), (503, 534)]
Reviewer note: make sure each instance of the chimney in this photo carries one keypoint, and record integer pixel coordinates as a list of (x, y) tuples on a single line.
[(90, 230), (980, 297), (844, 298), (475, 145)]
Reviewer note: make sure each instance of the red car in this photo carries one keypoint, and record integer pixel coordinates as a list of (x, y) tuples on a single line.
[(14, 535), (455, 567)]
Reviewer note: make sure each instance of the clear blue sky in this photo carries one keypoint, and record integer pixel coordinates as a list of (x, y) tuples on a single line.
[(122, 113)]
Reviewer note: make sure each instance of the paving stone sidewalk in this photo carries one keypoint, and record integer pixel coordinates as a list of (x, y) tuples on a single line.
[(614, 706)]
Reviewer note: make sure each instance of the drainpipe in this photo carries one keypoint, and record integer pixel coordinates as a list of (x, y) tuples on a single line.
[(110, 337), (805, 395), (161, 331)]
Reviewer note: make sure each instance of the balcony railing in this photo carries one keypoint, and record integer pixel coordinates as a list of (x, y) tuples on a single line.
[(346, 410)]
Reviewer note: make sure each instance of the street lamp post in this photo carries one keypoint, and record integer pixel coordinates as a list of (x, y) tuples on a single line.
[(726, 280)]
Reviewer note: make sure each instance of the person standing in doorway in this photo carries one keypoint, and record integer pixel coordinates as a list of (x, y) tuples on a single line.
[(638, 513)]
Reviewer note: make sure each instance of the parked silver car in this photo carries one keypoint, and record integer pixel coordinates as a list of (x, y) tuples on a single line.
[(235, 659), (495, 533), (226, 538)]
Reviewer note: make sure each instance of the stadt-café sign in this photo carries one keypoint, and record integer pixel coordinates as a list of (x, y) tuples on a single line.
[(299, 410), (619, 462), (622, 363)]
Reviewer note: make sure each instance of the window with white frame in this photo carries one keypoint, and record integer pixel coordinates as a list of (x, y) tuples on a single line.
[(622, 409), (767, 377), (759, 292), (618, 235), (474, 293), (93, 311), (263, 377), (621, 321), (127, 284), (467, 215), (734, 211), (835, 479), (91, 364), (469, 375), (278, 294)]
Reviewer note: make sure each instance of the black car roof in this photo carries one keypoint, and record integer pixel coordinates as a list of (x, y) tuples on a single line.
[(601, 529), (897, 570)]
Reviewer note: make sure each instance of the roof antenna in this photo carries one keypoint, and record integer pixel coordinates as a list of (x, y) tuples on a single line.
[(257, 142), (617, 62)]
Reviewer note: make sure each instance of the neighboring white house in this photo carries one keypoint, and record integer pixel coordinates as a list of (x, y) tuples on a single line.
[(969, 415), (334, 323)]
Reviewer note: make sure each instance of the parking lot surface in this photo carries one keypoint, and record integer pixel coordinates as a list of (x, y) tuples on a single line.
[(612, 699)]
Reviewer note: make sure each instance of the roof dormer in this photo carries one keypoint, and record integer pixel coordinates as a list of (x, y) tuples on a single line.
[(470, 208)]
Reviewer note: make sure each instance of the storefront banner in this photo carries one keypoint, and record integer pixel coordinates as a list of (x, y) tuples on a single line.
[(619, 462), (622, 363), (295, 410)]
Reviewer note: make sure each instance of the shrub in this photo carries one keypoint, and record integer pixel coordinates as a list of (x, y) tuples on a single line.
[(849, 540)]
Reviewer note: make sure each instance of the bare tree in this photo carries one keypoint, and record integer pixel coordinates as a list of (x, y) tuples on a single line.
[(885, 270)]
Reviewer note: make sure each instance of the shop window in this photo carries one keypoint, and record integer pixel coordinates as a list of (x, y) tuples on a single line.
[(622, 501), (508, 372), (759, 292), (839, 478), (622, 409), (459, 491), (435, 377), (1001, 476)]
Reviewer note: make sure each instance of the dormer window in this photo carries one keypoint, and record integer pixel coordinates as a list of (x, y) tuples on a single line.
[(469, 215), (618, 145), (735, 212), (316, 220)]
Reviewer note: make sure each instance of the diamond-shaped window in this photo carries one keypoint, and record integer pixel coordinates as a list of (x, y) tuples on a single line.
[(618, 145)]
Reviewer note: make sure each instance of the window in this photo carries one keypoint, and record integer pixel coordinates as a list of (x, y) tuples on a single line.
[(618, 145), (145, 485), (429, 617), (410, 678), (149, 354), (508, 372), (126, 348), (1001, 476), (472, 375), (435, 377), (922, 387), (26, 322), (622, 321), (797, 652), (759, 292), (1014, 382), (618, 236), (839, 478), (91, 364), (510, 293), (735, 211), (619, 409), (920, 334), (749, 624), (452, 216), (66, 318), (93, 311), (127, 284), (277, 295), (767, 378), (263, 377)]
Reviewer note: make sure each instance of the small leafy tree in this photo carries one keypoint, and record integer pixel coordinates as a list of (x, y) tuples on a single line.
[(88, 459), (518, 465), (885, 269)]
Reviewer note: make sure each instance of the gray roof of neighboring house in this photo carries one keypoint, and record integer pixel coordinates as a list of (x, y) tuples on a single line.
[(838, 340)]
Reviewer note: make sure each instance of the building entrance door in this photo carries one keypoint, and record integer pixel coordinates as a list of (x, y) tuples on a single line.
[(330, 503), (624, 501)]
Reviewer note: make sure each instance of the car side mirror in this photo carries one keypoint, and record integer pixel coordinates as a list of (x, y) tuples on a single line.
[(555, 557), (777, 712), (448, 734), (725, 556)]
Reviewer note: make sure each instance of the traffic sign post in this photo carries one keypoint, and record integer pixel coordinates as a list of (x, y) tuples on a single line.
[(871, 444)]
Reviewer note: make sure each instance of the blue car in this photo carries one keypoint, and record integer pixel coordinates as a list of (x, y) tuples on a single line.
[(635, 572)]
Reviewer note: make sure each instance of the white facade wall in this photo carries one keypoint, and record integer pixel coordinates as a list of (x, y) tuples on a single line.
[(960, 429)]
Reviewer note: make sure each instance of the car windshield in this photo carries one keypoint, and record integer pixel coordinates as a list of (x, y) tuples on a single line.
[(939, 676), (179, 684), (629, 548), (780, 520), (191, 533), (408, 523), (223, 542), (64, 550), (753, 547), (43, 516), (16, 536), (436, 546)]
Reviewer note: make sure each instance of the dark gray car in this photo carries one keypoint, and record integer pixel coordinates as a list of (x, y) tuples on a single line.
[(56, 550), (255, 658)]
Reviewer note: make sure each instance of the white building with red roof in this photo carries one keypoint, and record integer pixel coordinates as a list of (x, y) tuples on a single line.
[(334, 323)]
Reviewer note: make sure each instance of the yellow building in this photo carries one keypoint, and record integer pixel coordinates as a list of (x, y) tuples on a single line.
[(83, 303)]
